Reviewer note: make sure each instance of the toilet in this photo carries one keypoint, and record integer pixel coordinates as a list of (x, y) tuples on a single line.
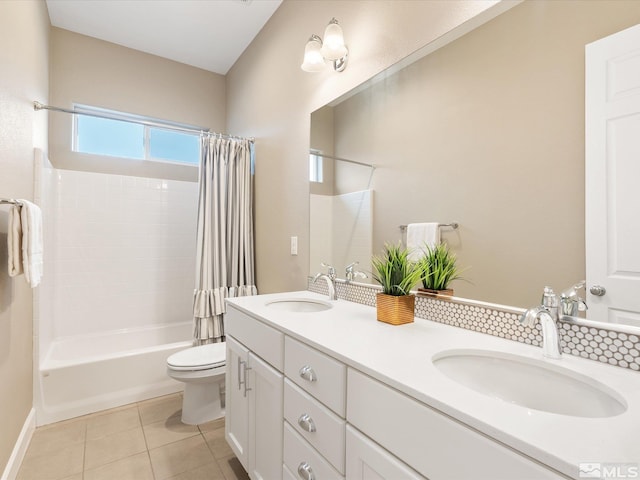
[(202, 370)]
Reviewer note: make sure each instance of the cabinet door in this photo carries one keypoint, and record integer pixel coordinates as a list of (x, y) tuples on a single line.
[(265, 420), (237, 401), (366, 460)]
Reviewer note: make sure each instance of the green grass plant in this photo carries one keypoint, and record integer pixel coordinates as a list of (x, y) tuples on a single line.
[(394, 271), (438, 267)]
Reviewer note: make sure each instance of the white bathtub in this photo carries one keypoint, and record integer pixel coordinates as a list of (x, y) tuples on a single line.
[(86, 374)]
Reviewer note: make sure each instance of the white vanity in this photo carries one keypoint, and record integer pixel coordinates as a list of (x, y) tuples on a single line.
[(328, 393)]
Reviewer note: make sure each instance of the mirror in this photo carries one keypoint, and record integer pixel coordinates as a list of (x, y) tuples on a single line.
[(486, 131)]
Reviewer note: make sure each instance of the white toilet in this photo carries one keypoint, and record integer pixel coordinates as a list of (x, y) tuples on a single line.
[(202, 371)]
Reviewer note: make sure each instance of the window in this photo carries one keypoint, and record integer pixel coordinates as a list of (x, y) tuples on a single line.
[(315, 166), (124, 135)]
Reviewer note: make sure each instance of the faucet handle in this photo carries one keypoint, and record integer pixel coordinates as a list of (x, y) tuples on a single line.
[(330, 270), (549, 298)]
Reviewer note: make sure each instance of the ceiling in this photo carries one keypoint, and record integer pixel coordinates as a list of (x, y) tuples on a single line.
[(209, 34)]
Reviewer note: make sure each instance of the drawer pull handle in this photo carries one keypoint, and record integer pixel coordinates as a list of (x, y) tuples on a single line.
[(308, 374), (306, 423), (305, 472)]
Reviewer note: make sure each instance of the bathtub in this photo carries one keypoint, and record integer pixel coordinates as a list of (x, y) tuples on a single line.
[(86, 374)]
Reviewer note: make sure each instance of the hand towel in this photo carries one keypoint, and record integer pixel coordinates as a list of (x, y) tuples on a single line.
[(420, 235), (14, 242), (32, 244)]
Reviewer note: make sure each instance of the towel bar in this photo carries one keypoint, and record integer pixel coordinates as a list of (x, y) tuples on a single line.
[(452, 225), (9, 201)]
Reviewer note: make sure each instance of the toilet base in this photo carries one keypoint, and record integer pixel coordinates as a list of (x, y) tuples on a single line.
[(201, 403)]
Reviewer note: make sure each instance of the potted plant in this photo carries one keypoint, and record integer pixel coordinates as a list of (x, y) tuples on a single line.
[(397, 275), (439, 269)]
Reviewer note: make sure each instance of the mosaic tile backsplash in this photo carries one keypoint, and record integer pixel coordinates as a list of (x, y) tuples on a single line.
[(594, 343)]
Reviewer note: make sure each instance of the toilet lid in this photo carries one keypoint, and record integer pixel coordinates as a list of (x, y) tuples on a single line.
[(199, 358)]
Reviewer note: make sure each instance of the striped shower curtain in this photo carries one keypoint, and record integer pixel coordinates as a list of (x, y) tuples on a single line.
[(225, 246)]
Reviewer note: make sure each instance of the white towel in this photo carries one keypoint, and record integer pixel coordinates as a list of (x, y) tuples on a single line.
[(14, 242), (420, 235), (32, 244)]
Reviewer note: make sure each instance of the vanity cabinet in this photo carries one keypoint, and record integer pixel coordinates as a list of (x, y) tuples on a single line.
[(295, 412), (254, 390)]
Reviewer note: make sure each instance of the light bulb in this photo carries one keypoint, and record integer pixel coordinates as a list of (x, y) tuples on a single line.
[(313, 59), (333, 47)]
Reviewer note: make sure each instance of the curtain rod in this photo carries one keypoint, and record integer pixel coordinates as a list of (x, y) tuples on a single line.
[(313, 152), (40, 106)]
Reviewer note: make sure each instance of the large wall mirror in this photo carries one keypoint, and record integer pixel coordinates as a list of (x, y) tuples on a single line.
[(488, 132)]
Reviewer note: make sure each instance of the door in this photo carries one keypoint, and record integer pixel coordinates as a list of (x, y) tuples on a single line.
[(265, 420), (237, 401), (368, 461), (612, 167)]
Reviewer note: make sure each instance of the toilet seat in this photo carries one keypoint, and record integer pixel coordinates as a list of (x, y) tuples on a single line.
[(204, 357)]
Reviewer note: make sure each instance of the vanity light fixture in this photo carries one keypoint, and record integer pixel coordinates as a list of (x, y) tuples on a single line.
[(333, 49)]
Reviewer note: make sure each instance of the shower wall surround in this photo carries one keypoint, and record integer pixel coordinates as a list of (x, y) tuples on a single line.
[(119, 252), (595, 343)]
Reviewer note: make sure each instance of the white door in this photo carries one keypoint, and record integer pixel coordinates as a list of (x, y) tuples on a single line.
[(237, 401), (265, 420), (367, 460), (612, 104)]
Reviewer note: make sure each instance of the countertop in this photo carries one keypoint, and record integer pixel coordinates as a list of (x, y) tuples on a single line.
[(401, 356)]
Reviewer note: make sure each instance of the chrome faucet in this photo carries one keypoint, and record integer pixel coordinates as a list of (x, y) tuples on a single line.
[(570, 302), (330, 277), (352, 273), (547, 314)]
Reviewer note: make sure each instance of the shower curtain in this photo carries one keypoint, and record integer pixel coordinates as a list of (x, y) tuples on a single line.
[(225, 245)]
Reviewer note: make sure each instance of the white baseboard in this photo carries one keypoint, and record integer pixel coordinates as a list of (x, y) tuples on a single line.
[(20, 448)]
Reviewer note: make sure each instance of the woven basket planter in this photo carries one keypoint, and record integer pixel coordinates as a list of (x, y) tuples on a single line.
[(395, 310)]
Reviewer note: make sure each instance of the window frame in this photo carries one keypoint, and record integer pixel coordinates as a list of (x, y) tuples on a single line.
[(148, 124), (316, 166)]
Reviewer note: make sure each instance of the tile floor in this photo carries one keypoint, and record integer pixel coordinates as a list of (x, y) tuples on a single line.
[(142, 441)]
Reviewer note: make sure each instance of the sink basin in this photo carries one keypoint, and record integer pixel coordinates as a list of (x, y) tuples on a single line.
[(530, 383), (299, 305)]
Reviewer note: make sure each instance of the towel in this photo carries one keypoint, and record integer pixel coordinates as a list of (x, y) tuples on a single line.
[(32, 245), (14, 242), (420, 235)]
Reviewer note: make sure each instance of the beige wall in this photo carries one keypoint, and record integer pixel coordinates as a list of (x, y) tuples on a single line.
[(89, 71), (271, 98), (489, 132), (24, 51)]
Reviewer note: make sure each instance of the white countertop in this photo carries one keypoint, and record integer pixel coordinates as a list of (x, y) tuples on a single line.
[(400, 356)]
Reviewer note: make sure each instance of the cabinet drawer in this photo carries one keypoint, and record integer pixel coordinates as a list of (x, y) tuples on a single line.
[(266, 342), (298, 453), (320, 375), (429, 441), (328, 435)]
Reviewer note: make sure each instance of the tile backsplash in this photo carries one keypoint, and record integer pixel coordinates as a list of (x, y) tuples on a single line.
[(594, 343)]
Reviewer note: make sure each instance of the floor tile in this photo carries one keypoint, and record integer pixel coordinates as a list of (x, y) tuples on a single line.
[(112, 422), (218, 445), (55, 465), (232, 468), (136, 467), (168, 431), (161, 408), (179, 457), (113, 447), (213, 425), (56, 436), (210, 471)]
